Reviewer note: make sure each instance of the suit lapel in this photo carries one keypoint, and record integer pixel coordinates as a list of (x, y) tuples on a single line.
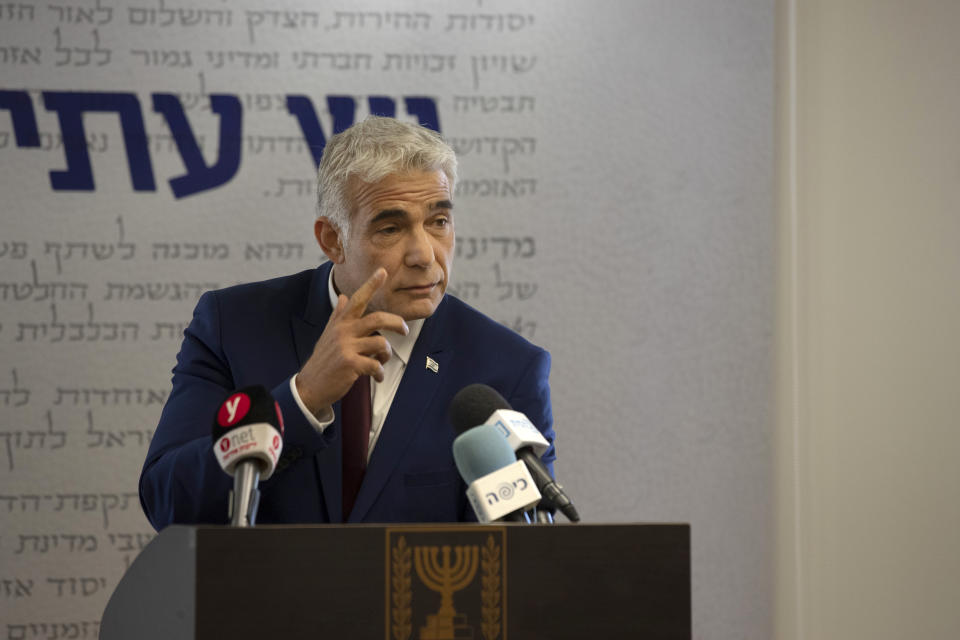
[(306, 332), (407, 413), (307, 328)]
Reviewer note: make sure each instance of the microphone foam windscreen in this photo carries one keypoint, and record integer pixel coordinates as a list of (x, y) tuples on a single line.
[(250, 405), (480, 451), (473, 405)]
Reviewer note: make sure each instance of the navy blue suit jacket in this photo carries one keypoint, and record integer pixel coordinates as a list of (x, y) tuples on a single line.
[(263, 333)]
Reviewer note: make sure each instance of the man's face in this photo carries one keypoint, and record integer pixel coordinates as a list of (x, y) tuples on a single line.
[(403, 223)]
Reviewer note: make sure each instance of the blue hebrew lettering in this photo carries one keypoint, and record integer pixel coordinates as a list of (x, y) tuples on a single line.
[(70, 107), (199, 176), (24, 120), (425, 109), (342, 108), (382, 106)]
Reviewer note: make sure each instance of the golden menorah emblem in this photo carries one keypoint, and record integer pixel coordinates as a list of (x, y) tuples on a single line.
[(438, 572), (465, 565)]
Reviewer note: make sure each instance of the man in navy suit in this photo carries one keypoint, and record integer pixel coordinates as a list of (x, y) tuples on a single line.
[(373, 323)]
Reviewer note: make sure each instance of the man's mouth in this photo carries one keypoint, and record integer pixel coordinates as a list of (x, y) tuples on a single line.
[(420, 288)]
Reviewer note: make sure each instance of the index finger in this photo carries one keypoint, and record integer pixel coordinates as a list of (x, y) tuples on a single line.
[(361, 297)]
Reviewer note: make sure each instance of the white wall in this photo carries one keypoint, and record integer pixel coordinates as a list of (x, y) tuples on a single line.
[(869, 385)]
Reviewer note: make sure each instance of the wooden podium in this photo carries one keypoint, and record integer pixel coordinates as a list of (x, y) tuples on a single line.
[(399, 582)]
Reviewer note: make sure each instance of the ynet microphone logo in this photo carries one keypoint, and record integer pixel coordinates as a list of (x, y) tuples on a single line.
[(276, 406), (233, 410)]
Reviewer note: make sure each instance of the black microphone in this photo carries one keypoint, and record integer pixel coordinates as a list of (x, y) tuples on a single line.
[(247, 440), (480, 404)]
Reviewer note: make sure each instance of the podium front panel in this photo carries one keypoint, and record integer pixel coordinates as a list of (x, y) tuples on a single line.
[(458, 581)]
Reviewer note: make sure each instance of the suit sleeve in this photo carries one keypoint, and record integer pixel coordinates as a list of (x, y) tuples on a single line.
[(181, 481), (531, 397)]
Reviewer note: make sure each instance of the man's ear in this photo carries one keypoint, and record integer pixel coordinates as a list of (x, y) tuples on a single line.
[(328, 237)]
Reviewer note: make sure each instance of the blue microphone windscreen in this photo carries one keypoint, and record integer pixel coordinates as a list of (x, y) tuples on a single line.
[(481, 450)]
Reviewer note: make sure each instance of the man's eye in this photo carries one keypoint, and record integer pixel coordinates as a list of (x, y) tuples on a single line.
[(388, 230), (441, 222)]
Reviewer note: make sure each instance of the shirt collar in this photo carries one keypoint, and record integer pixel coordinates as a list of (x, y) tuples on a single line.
[(401, 345)]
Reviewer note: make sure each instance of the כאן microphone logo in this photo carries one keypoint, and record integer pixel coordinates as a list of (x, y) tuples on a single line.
[(507, 490)]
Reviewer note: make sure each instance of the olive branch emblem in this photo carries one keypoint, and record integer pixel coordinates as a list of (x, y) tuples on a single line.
[(490, 624), (402, 592)]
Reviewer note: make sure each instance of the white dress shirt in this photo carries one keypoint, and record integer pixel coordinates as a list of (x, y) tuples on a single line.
[(381, 393)]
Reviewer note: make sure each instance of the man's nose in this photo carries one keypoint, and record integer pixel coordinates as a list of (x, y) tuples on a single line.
[(419, 251)]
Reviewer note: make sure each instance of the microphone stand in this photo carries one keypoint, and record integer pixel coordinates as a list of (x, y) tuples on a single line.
[(544, 516), (543, 512), (245, 497)]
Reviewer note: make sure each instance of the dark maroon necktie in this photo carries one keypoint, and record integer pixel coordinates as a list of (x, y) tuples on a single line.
[(355, 424)]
